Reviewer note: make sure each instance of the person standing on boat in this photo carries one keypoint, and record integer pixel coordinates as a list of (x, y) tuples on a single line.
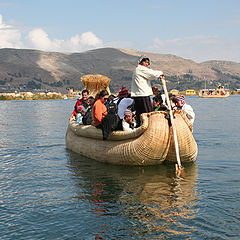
[(141, 89)]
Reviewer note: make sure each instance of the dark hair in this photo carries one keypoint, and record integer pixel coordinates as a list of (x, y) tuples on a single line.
[(174, 100), (91, 99), (158, 99), (170, 95), (101, 94), (111, 97), (145, 59), (85, 91)]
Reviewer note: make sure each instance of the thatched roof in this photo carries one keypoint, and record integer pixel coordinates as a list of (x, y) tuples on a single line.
[(94, 83)]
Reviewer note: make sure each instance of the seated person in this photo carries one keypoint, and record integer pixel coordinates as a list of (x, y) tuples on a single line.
[(180, 104), (81, 111), (90, 101), (158, 103), (128, 123), (156, 89), (123, 101), (99, 108), (81, 101), (110, 99), (107, 121), (87, 117)]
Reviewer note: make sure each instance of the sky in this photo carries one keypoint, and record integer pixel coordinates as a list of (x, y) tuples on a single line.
[(199, 30)]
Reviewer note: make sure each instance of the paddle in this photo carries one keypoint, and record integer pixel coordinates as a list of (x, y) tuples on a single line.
[(178, 166)]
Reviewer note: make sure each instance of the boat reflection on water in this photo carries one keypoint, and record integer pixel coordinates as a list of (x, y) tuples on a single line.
[(152, 199)]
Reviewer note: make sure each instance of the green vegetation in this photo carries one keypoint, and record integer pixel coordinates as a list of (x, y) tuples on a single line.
[(34, 97)]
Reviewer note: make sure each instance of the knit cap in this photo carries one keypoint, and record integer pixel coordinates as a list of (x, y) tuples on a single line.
[(128, 112), (123, 91), (181, 100), (142, 57)]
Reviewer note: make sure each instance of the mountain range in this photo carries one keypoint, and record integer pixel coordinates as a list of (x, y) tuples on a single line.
[(25, 69)]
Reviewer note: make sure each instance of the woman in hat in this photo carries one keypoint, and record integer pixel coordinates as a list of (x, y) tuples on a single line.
[(180, 104), (125, 101), (141, 89)]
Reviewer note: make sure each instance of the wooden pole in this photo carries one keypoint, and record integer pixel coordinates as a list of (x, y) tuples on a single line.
[(178, 165)]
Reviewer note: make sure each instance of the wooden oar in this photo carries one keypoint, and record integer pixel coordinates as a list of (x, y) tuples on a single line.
[(179, 167)]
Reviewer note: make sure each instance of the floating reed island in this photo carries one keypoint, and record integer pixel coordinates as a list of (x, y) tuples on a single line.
[(151, 144)]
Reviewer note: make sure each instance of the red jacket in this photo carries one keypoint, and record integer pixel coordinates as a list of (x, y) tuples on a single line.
[(79, 102)]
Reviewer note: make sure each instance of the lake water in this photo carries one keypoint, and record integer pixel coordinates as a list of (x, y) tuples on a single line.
[(47, 192)]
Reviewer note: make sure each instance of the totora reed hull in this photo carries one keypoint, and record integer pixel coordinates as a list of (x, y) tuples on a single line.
[(150, 144)]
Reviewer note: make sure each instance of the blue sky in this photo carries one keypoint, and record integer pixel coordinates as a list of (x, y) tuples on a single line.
[(200, 30)]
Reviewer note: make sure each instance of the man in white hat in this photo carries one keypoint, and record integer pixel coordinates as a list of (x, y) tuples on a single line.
[(141, 89)]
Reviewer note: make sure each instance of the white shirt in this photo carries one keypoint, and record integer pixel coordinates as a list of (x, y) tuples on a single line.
[(126, 126), (189, 111), (122, 106), (141, 81)]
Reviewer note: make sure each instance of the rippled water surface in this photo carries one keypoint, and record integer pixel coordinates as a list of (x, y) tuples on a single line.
[(47, 192)]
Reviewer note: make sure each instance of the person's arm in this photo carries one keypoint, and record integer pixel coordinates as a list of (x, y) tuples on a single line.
[(150, 74), (189, 112)]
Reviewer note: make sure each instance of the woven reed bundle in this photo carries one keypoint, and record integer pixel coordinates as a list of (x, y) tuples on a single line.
[(89, 131), (187, 144), (149, 149), (94, 83)]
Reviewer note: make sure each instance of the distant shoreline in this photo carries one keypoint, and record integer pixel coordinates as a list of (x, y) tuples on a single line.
[(34, 96), (54, 96)]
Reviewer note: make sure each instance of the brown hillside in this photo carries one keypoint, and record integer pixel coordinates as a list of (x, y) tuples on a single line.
[(22, 69)]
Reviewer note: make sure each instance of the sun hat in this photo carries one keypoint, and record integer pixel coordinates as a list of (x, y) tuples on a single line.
[(123, 91), (158, 86)]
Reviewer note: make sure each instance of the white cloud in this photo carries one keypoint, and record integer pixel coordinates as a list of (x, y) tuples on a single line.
[(39, 39), (199, 48), (9, 36)]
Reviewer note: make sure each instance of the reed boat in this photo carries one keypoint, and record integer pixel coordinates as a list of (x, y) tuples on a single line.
[(214, 93), (150, 144)]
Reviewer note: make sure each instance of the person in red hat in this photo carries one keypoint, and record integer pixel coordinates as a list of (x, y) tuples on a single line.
[(123, 101), (141, 89)]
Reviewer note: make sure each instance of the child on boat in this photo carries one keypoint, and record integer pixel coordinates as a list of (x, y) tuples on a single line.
[(82, 110), (158, 103), (128, 123)]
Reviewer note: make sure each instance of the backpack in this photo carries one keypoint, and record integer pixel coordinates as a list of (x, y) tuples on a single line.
[(111, 121), (87, 118), (112, 107)]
